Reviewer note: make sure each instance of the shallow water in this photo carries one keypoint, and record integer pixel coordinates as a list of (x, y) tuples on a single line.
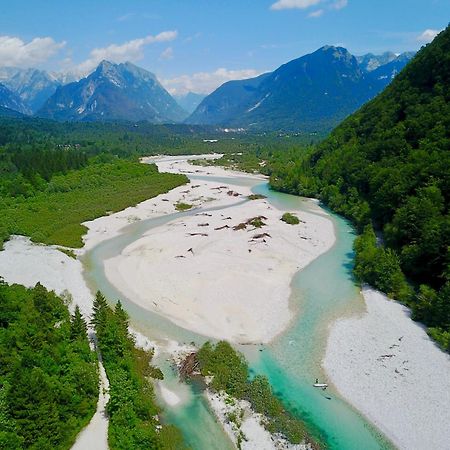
[(321, 292)]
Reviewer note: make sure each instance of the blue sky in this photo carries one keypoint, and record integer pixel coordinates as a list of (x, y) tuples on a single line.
[(198, 44)]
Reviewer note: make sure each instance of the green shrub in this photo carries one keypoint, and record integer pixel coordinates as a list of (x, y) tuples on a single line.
[(291, 219), (180, 206)]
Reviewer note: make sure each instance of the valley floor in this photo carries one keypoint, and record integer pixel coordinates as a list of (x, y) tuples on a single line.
[(234, 285), (203, 274), (279, 256)]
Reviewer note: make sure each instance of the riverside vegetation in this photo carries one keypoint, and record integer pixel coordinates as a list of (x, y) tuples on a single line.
[(48, 373), (49, 206), (132, 410), (231, 374), (53, 176)]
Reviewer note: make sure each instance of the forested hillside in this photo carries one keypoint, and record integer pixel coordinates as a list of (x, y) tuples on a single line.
[(48, 374), (388, 166)]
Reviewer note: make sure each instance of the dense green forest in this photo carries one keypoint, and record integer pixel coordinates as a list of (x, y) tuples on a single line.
[(132, 410), (126, 139), (51, 212), (48, 374), (231, 374), (386, 168)]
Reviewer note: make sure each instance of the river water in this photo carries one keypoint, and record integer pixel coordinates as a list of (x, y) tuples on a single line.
[(321, 292)]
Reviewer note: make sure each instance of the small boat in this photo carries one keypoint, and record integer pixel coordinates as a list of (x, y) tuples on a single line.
[(320, 385)]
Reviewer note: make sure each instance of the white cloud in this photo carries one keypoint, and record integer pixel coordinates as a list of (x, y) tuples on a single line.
[(17, 53), (128, 51), (293, 4), (167, 54), (126, 17), (316, 14), (427, 36), (206, 82), (339, 4), (327, 5)]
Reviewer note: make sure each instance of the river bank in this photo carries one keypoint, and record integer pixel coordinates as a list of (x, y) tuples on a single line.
[(387, 367)]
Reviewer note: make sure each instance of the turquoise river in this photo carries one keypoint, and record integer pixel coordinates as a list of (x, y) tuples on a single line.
[(321, 292)]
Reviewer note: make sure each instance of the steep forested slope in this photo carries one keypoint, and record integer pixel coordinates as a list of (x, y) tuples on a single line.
[(389, 165)]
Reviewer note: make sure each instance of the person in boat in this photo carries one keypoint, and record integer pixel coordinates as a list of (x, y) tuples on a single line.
[(317, 380)]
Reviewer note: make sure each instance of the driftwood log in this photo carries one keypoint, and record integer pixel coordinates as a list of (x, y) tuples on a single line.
[(190, 366)]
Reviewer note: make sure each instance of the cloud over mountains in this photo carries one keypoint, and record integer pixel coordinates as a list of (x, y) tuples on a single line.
[(15, 52)]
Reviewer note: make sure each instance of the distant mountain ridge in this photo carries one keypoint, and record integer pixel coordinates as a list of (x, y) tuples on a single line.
[(370, 62), (312, 93), (33, 86), (11, 101), (113, 92), (189, 101)]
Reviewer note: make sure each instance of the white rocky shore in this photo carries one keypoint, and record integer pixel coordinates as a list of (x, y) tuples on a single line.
[(244, 426), (385, 365)]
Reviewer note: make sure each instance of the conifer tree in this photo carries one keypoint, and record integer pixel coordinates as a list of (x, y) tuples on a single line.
[(100, 311), (78, 326)]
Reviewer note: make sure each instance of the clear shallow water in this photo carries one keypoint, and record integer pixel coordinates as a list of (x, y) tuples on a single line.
[(193, 416), (324, 290), (321, 292)]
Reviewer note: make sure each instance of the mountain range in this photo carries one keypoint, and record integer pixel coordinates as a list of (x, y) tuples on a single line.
[(11, 101), (33, 86), (113, 92), (311, 93)]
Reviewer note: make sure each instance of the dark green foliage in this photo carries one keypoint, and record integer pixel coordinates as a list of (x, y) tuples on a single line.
[(78, 328), (380, 267), (53, 213), (132, 409), (230, 374), (48, 374), (290, 219), (388, 165), (125, 139), (228, 367)]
